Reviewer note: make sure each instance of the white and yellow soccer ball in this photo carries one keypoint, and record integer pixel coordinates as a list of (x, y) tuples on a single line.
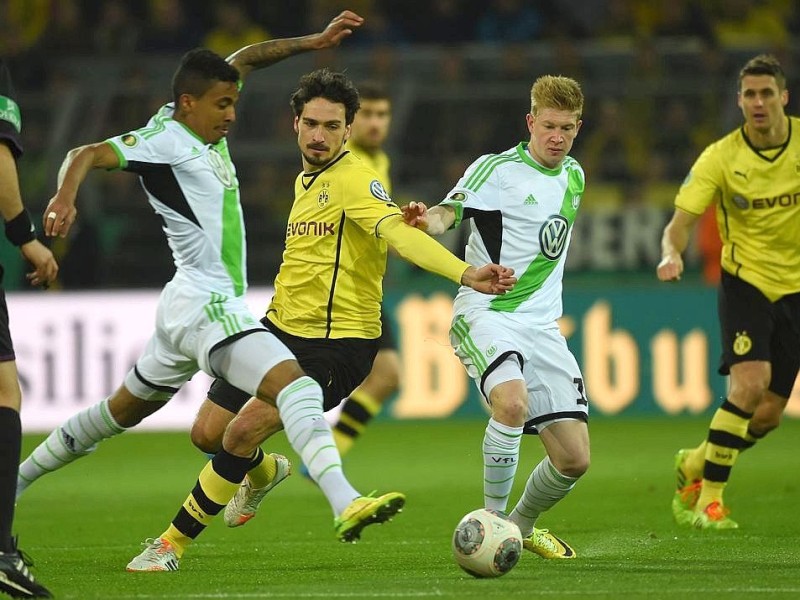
[(486, 543)]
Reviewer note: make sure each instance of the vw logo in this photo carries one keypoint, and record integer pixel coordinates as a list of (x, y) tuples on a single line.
[(553, 236), (379, 191), (220, 168)]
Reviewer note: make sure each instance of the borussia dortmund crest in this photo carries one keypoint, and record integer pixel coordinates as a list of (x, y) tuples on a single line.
[(742, 344), (323, 197)]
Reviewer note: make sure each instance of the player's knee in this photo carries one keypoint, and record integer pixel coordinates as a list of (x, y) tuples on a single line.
[(510, 411), (391, 372), (574, 465), (578, 467), (392, 381), (129, 410), (239, 438), (507, 393), (206, 440), (746, 393), (254, 424)]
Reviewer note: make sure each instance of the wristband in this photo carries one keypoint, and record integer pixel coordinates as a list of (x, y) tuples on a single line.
[(20, 229)]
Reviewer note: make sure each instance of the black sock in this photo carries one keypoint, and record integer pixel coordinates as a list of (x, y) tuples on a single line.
[(10, 444)]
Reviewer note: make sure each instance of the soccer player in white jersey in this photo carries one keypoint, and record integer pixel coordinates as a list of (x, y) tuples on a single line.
[(202, 321), (523, 203)]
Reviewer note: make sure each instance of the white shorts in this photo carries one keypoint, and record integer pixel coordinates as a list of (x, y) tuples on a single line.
[(483, 339), (190, 325)]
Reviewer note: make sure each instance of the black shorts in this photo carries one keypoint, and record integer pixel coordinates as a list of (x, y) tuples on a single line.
[(337, 365), (6, 347), (386, 341), (753, 328)]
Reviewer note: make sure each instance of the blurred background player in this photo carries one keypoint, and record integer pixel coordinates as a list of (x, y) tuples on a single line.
[(15, 578), (751, 177), (368, 134)]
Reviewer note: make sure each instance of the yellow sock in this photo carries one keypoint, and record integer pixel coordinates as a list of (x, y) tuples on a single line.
[(710, 492), (694, 461), (726, 436), (357, 411), (179, 541), (264, 472), (750, 439), (210, 495)]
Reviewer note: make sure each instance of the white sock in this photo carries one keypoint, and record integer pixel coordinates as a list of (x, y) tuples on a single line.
[(300, 407), (544, 488), (500, 458), (76, 437)]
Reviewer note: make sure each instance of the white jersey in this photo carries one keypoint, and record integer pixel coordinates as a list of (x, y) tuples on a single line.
[(192, 185), (522, 215)]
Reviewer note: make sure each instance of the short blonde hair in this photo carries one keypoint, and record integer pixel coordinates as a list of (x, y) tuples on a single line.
[(558, 92)]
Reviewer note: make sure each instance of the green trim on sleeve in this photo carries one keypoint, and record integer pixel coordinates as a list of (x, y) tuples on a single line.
[(458, 208), (123, 162), (9, 112)]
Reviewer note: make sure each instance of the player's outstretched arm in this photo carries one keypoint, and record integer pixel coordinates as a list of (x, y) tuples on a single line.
[(673, 243), (433, 221), (425, 252), (264, 54), (60, 213), (489, 279)]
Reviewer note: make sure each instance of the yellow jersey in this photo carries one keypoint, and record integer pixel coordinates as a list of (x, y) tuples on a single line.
[(378, 162), (757, 195), (330, 281)]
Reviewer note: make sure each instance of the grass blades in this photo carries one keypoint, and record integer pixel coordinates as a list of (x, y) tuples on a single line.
[(84, 523)]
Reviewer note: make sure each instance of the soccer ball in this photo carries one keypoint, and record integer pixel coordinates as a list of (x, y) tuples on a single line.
[(486, 543)]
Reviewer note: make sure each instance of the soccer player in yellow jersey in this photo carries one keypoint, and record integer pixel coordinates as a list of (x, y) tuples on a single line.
[(370, 129), (326, 309), (367, 136), (751, 175)]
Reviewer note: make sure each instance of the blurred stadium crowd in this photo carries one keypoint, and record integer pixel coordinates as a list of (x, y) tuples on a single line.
[(659, 77)]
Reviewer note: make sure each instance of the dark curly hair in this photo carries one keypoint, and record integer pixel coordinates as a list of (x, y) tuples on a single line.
[(333, 86)]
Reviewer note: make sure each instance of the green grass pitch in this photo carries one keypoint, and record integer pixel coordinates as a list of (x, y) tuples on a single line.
[(84, 523)]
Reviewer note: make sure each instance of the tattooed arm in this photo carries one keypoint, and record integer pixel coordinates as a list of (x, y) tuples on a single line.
[(264, 54)]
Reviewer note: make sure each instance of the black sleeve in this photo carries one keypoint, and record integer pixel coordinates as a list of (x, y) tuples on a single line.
[(10, 119)]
